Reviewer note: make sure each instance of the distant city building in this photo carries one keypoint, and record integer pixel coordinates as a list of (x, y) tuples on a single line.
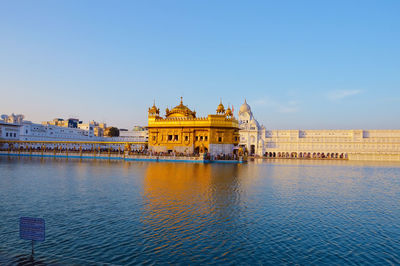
[(345, 144), (60, 122), (180, 131), (94, 128), (139, 128), (89, 127), (40, 132), (99, 129)]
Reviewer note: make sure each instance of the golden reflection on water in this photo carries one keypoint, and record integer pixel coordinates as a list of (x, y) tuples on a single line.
[(180, 195), (176, 184)]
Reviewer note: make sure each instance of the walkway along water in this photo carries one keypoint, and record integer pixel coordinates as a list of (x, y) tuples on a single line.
[(117, 156), (128, 151)]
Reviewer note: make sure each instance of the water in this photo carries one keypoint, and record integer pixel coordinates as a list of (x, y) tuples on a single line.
[(282, 212)]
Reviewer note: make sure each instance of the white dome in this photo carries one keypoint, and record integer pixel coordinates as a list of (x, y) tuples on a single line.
[(244, 108)]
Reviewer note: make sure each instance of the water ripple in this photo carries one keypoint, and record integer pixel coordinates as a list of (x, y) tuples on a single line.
[(174, 213)]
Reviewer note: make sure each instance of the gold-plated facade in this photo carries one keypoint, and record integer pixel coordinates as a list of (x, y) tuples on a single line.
[(180, 131)]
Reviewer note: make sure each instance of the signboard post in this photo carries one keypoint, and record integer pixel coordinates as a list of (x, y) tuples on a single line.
[(32, 229)]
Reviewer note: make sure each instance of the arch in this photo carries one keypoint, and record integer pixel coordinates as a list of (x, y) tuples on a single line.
[(300, 155), (252, 149), (274, 154)]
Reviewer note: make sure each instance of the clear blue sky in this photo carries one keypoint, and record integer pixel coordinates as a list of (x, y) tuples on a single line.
[(299, 64)]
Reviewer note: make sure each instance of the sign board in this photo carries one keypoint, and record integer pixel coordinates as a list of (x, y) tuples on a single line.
[(31, 228)]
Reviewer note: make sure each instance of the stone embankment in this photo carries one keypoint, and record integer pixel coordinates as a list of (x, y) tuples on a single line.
[(114, 156)]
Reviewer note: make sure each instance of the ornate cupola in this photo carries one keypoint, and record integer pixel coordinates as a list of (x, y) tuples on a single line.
[(220, 109), (229, 112), (154, 111), (180, 111)]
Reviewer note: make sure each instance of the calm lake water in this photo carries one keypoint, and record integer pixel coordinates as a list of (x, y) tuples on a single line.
[(265, 212)]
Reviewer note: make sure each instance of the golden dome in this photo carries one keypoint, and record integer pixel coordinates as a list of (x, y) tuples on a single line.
[(180, 111), (221, 108)]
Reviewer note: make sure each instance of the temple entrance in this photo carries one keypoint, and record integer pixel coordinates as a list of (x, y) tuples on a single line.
[(252, 149)]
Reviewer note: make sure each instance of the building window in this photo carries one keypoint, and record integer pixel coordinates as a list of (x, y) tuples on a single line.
[(176, 137), (206, 138), (197, 138), (169, 137), (154, 137), (6, 134), (15, 135), (219, 139), (235, 138), (201, 138), (186, 138)]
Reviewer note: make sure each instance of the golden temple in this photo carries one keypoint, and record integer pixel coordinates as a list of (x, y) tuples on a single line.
[(180, 131)]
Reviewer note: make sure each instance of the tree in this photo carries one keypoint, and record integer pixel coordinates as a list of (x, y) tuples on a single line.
[(112, 132)]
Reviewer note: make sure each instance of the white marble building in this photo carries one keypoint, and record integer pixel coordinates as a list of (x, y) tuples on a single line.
[(252, 135), (9, 131), (138, 134), (354, 144), (15, 128)]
